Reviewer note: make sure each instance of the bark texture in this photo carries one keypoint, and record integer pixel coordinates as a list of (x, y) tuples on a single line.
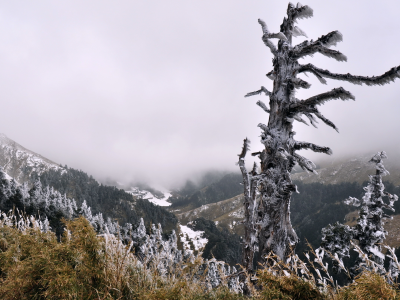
[(267, 194)]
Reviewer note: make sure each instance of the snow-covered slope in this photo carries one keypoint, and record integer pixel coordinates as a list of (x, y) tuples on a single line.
[(228, 213), (196, 237), (160, 201), (19, 162)]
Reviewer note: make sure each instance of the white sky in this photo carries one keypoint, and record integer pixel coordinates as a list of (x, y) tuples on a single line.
[(153, 90)]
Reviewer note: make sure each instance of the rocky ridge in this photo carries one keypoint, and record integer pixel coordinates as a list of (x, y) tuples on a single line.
[(19, 162)]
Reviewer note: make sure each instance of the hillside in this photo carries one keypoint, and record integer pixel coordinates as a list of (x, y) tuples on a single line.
[(27, 166), (223, 188), (355, 169)]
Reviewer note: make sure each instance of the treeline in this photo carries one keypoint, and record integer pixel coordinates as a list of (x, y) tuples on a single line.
[(114, 203)]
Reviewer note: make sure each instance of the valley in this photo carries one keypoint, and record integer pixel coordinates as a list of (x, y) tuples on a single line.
[(208, 213)]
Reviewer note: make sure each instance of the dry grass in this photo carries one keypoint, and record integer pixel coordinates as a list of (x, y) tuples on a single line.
[(34, 265)]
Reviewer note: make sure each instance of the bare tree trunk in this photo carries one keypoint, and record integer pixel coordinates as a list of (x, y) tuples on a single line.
[(267, 195)]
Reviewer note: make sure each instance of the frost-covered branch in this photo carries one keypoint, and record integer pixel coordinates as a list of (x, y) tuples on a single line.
[(338, 93), (263, 106), (326, 121), (385, 78), (316, 47), (298, 83), (304, 163), (250, 184), (241, 163), (299, 11), (262, 90), (321, 45), (298, 32), (267, 35), (330, 39), (313, 147)]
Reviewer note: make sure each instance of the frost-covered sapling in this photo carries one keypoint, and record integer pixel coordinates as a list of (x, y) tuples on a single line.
[(268, 193), (369, 231)]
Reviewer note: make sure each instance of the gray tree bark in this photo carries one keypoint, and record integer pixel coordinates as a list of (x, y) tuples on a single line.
[(267, 194)]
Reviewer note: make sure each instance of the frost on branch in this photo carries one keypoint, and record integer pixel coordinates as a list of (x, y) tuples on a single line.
[(336, 239), (385, 78), (250, 185)]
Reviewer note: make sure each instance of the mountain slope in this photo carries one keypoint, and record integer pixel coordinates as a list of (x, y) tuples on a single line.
[(25, 165), (20, 163), (356, 169), (224, 188)]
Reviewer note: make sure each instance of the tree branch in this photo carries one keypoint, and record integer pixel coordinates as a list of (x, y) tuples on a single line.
[(385, 78), (264, 127), (263, 106), (330, 39), (338, 93), (271, 75), (313, 147), (267, 35), (297, 117), (319, 77), (242, 165), (298, 32), (262, 90), (298, 83), (299, 12), (317, 46), (326, 121), (313, 121), (304, 163)]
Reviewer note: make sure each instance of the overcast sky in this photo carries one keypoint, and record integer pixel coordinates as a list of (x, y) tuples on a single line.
[(153, 90)]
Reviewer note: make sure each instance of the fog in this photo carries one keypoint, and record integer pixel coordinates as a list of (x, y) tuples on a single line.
[(153, 90)]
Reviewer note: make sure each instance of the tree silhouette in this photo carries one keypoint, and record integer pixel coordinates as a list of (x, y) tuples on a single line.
[(268, 193)]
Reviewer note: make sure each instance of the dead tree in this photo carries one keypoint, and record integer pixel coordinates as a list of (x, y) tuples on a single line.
[(267, 194)]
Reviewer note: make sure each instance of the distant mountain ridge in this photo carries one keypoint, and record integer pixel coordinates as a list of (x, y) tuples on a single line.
[(20, 163), (356, 169)]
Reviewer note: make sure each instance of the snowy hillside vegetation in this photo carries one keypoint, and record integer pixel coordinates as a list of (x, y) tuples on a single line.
[(190, 237), (155, 252), (20, 162)]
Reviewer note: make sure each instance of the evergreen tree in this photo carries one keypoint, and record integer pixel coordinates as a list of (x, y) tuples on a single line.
[(268, 193)]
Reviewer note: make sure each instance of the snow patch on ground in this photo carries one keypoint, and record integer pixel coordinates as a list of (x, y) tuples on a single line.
[(149, 196), (237, 213), (187, 234), (8, 177)]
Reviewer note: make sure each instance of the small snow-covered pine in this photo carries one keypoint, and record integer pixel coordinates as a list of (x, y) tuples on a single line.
[(369, 231)]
